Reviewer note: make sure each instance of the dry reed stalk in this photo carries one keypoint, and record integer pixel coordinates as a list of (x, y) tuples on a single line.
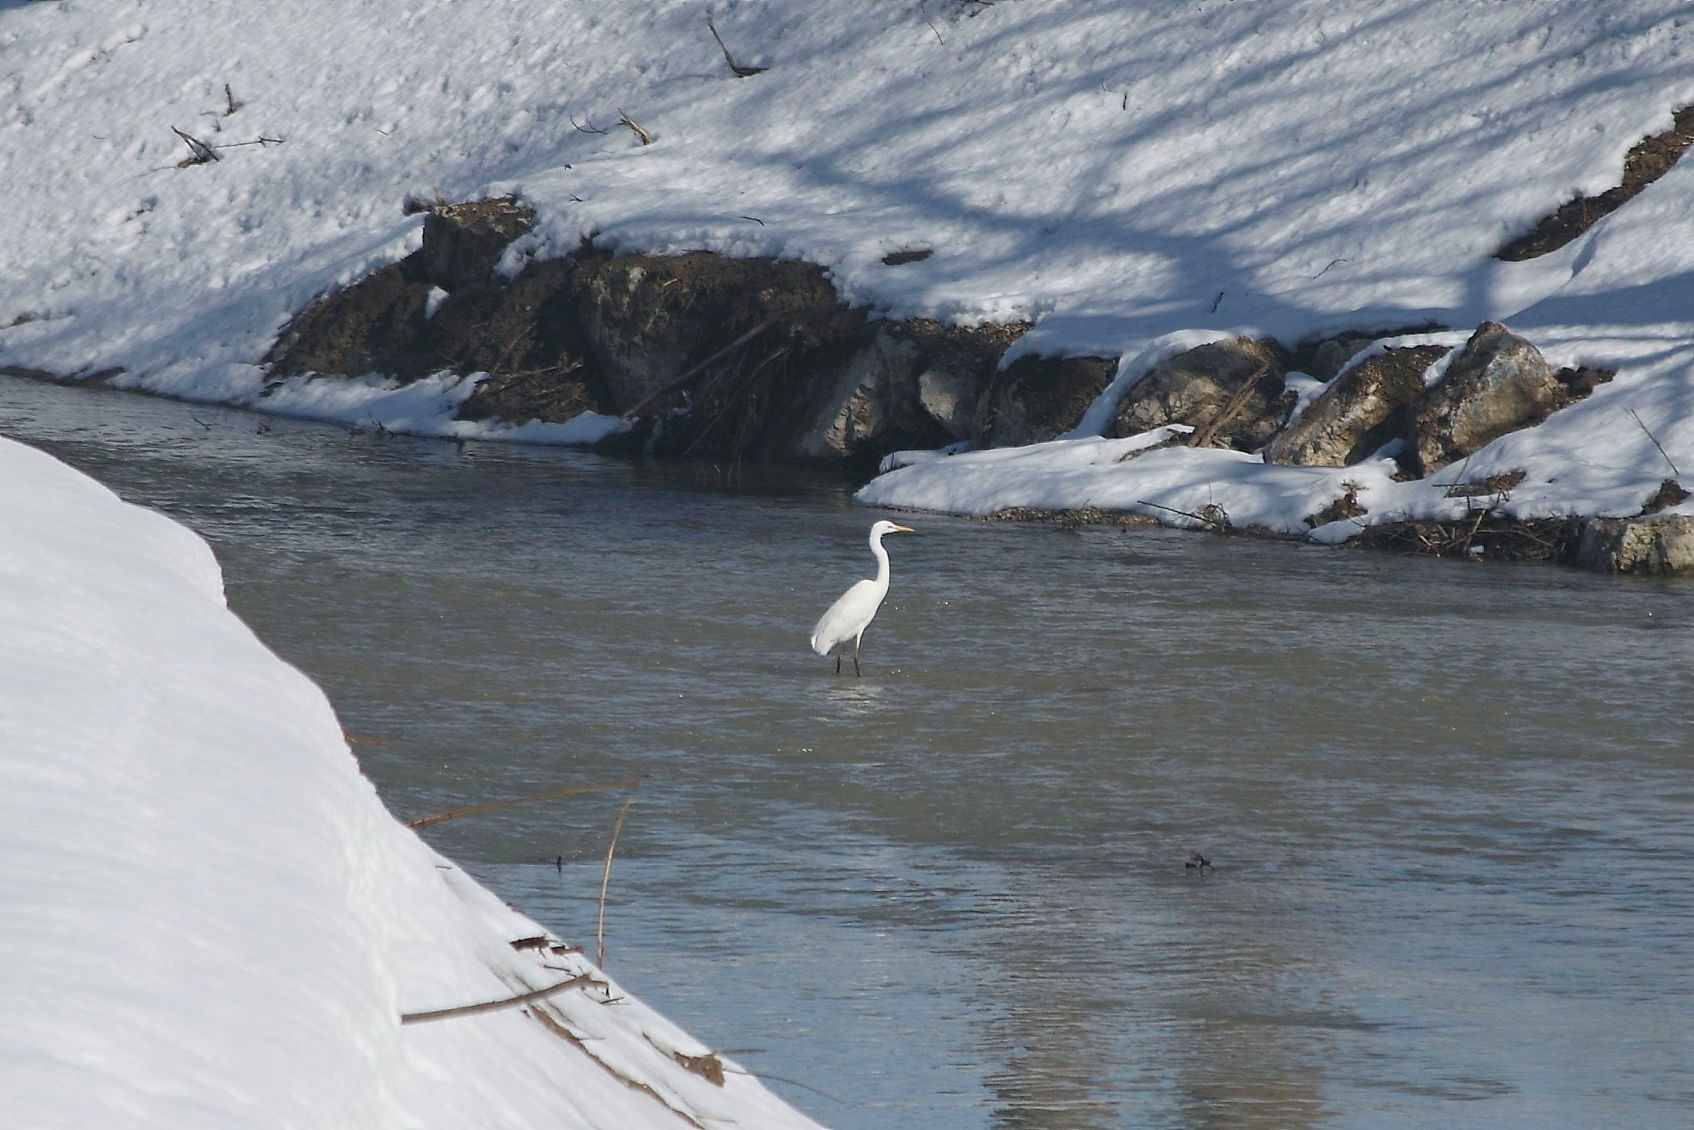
[(605, 879)]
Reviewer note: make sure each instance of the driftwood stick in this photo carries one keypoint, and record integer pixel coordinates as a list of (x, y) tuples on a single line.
[(1185, 513), (495, 805), (682, 380), (605, 879), (493, 1006)]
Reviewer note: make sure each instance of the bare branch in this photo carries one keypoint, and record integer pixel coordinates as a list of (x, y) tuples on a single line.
[(1654, 438), (200, 152), (740, 71), (492, 1006), (589, 128), (641, 135)]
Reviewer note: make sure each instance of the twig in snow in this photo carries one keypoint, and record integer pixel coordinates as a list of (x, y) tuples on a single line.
[(606, 878), (200, 152), (589, 128), (1325, 271), (495, 1005), (641, 135), (1654, 438), (755, 219), (261, 140), (496, 805), (740, 71), (231, 105)]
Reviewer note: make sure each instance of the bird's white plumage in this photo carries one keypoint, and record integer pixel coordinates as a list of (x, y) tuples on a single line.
[(848, 617)]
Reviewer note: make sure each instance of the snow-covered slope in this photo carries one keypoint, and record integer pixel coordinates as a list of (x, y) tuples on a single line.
[(207, 918), (1128, 175)]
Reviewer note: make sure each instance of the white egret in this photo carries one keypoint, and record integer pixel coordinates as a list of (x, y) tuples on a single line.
[(849, 616)]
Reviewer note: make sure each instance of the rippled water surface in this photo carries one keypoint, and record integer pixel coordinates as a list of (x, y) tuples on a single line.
[(1449, 805)]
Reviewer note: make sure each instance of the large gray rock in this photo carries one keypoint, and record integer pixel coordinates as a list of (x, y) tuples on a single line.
[(1194, 387), (1361, 410), (873, 397), (1035, 399), (1498, 383), (1661, 545), (949, 389)]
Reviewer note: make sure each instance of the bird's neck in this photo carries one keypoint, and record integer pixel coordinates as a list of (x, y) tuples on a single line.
[(881, 562)]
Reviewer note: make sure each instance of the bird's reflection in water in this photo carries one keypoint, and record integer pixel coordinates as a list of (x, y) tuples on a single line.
[(853, 699)]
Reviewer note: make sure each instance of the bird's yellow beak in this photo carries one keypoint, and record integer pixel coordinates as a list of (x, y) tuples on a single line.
[(904, 530)]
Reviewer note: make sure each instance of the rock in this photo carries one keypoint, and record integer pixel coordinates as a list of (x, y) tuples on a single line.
[(1670, 493), (896, 385), (1036, 398), (961, 364), (722, 358), (463, 242), (1364, 408), (649, 319), (1497, 384), (1325, 358), (373, 326), (1658, 546), (948, 392), (1193, 387), (873, 398), (1330, 356)]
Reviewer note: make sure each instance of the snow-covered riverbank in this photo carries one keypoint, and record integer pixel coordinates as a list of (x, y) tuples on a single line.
[(211, 920), (1124, 177)]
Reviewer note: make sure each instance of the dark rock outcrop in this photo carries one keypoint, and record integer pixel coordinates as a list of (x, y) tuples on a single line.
[(1360, 411), (710, 356), (897, 384), (1498, 383), (374, 326), (648, 318), (463, 242), (1037, 398), (1196, 386)]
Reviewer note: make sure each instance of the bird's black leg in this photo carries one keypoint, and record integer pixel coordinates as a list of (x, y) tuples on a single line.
[(856, 672), (838, 660)]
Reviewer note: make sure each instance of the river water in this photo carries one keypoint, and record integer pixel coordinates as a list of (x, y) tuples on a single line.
[(1449, 805)]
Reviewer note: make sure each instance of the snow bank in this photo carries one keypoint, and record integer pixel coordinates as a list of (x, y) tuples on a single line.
[(1129, 176), (209, 918)]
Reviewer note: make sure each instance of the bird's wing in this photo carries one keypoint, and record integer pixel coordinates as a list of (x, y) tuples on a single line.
[(847, 617)]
